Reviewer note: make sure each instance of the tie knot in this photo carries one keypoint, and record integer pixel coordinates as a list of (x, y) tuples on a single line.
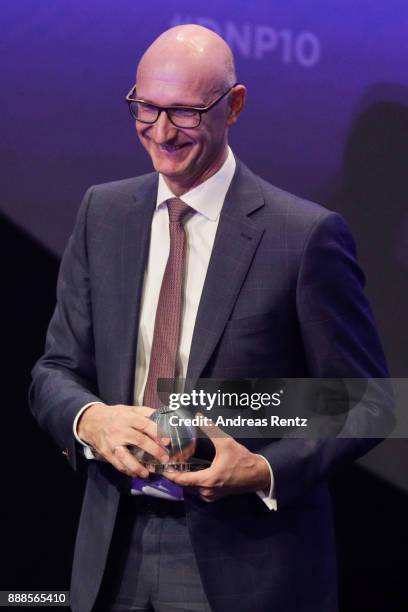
[(177, 210)]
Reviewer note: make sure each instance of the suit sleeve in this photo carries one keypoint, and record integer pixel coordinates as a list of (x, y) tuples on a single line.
[(64, 379), (340, 341)]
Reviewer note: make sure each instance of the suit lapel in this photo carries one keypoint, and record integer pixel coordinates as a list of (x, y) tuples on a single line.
[(134, 253), (235, 245)]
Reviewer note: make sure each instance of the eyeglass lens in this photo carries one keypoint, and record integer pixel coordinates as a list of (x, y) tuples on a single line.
[(181, 117)]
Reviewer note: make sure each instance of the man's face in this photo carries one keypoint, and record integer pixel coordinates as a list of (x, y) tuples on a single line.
[(185, 156)]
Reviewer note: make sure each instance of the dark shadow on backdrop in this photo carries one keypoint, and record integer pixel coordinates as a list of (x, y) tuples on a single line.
[(372, 194)]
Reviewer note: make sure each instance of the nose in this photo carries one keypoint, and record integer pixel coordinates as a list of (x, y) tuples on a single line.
[(163, 129)]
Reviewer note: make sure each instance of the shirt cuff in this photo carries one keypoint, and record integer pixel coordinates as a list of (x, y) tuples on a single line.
[(88, 453), (269, 497)]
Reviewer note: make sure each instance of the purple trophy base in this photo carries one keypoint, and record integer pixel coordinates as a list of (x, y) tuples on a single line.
[(157, 486)]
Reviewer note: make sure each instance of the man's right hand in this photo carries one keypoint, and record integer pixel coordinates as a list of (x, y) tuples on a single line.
[(109, 429)]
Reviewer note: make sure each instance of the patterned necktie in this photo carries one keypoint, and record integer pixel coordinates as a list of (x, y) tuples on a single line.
[(169, 308)]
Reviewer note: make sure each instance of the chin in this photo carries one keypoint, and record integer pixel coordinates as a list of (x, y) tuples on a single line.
[(166, 168), (169, 168)]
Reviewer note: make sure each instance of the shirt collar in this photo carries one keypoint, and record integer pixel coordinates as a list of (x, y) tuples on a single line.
[(208, 197)]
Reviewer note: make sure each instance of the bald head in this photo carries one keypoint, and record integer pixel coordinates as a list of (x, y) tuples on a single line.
[(191, 53), (190, 67)]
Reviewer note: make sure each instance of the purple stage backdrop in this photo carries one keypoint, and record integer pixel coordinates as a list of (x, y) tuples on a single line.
[(326, 116)]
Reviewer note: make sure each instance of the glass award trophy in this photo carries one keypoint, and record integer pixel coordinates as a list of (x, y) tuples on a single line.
[(174, 424)]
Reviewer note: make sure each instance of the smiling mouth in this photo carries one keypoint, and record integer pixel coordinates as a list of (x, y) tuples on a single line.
[(169, 148)]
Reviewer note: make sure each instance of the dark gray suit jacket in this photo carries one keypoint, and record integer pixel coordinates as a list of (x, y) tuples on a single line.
[(282, 297)]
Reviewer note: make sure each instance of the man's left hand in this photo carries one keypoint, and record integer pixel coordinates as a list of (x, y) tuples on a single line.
[(234, 469)]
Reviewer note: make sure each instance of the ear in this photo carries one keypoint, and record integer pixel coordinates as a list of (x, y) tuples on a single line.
[(236, 103)]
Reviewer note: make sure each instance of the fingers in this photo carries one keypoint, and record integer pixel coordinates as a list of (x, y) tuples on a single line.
[(125, 462), (197, 480), (143, 424), (143, 410), (208, 495), (144, 443), (131, 427), (190, 479), (122, 426)]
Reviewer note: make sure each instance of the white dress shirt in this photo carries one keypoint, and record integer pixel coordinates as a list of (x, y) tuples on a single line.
[(207, 200)]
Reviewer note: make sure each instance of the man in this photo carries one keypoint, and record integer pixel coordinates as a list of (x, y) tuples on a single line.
[(200, 269)]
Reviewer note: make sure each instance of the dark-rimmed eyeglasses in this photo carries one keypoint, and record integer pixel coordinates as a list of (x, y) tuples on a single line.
[(180, 116)]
